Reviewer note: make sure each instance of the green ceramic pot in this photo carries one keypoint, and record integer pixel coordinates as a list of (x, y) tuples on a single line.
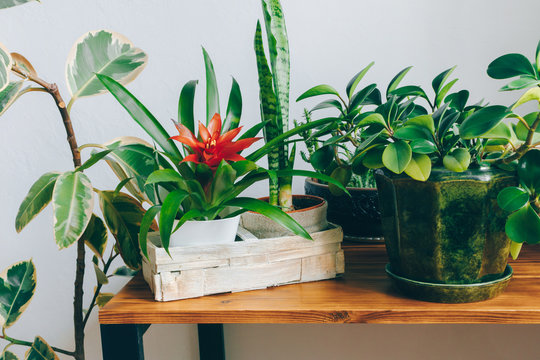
[(447, 230)]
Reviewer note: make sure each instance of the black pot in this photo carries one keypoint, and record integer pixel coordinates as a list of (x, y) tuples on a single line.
[(358, 215)]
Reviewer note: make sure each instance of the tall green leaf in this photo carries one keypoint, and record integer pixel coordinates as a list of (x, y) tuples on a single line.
[(146, 224), (212, 95), (38, 197), (353, 83), (123, 216), (234, 108), (394, 83), (94, 158), (440, 79), (5, 67), (73, 203), (101, 52), (40, 350), (10, 93), (17, 286), (169, 211), (141, 115), (95, 236), (4, 4), (318, 90), (185, 105)]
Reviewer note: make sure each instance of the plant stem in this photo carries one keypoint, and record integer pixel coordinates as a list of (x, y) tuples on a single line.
[(29, 343), (522, 150), (52, 89)]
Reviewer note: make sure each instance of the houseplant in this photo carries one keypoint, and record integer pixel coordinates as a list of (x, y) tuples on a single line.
[(444, 232), (71, 192)]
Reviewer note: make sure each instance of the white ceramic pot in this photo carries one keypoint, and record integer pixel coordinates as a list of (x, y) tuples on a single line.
[(209, 232)]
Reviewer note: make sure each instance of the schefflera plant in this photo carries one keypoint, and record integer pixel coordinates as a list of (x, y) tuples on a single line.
[(71, 192)]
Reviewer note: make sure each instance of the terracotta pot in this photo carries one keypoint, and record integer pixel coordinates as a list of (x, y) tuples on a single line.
[(358, 215), (310, 213), (209, 232), (447, 230)]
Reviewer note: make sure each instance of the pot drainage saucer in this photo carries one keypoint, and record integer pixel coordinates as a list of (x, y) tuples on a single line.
[(451, 293)]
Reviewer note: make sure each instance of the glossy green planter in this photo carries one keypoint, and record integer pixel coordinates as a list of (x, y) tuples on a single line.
[(447, 230)]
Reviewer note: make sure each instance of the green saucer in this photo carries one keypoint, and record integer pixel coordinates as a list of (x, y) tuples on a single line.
[(451, 293)]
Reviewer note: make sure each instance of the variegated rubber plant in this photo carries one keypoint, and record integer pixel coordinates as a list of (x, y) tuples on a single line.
[(209, 176), (71, 192)]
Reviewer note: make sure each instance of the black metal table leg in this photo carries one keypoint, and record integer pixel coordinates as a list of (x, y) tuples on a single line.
[(123, 341), (211, 342)]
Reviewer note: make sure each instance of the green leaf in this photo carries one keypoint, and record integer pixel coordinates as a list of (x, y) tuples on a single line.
[(100, 276), (123, 216), (124, 271), (410, 90), (458, 100), (419, 167), (94, 158), (510, 65), (457, 160), (413, 132), (243, 167), (165, 175), (212, 95), (442, 93), (531, 94), (10, 93), (521, 83), (95, 236), (224, 178), (38, 197), (500, 131), (40, 350), (142, 116), (103, 298), (522, 131), (483, 120), (394, 83), (169, 211), (396, 156), (4, 4), (515, 249), (234, 108), (73, 203), (253, 131), (373, 158), (353, 83), (271, 212), (8, 355), (441, 79), (185, 105), (322, 158), (147, 222), (529, 170), (512, 198), (343, 176), (5, 66), (422, 146), (101, 52), (362, 97), (121, 185), (374, 118), (425, 121), (17, 286), (332, 103), (318, 90), (524, 226)]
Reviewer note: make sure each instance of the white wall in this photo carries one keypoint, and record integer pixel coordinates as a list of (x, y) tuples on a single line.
[(330, 42)]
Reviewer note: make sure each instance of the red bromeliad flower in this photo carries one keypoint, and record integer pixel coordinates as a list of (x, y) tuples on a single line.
[(214, 146)]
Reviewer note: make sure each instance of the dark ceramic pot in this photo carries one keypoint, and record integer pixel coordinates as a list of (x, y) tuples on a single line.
[(358, 215), (447, 230)]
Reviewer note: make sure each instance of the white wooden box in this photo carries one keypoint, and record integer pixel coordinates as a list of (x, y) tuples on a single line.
[(250, 264)]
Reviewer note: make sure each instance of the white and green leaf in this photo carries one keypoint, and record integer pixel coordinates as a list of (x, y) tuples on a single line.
[(40, 350), (5, 66), (4, 4), (17, 286), (102, 52), (10, 93), (23, 64), (73, 203), (8, 355), (95, 236)]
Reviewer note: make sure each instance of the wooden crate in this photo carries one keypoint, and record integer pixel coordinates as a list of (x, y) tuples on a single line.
[(250, 264)]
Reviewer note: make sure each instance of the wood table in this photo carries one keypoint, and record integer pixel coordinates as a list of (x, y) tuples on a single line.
[(363, 295)]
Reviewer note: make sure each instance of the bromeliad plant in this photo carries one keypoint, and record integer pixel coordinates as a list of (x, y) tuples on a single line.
[(71, 192)]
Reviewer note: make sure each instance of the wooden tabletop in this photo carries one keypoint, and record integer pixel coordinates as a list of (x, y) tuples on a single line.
[(363, 295)]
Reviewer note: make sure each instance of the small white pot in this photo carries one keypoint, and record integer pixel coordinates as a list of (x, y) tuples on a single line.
[(221, 231)]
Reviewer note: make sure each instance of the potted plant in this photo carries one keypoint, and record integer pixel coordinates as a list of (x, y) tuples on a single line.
[(443, 176)]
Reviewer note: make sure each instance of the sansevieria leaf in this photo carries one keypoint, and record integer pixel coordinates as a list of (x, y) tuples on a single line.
[(10, 93), (101, 52), (38, 197), (17, 285), (5, 66), (40, 350), (4, 4), (73, 203)]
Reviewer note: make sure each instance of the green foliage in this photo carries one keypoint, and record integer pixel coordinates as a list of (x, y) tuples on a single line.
[(4, 4), (95, 236), (17, 286), (512, 198), (40, 350)]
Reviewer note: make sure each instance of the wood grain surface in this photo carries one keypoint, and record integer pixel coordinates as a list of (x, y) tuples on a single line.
[(363, 295)]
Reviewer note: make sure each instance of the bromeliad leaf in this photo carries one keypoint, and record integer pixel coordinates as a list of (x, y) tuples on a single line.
[(234, 108), (168, 213), (17, 285), (10, 93), (224, 178), (95, 236), (101, 52), (73, 203), (5, 67), (185, 105), (512, 198), (123, 216), (396, 156), (212, 95), (40, 350), (146, 224), (38, 197), (4, 4)]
